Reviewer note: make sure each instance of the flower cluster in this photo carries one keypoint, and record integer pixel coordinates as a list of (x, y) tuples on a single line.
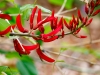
[(55, 24)]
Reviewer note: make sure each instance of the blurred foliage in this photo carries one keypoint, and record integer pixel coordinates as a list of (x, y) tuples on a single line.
[(12, 10), (83, 50), (68, 5), (26, 67), (3, 25), (8, 71), (25, 64)]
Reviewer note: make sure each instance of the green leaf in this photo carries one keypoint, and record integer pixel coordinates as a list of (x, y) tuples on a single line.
[(85, 29), (8, 71), (3, 25), (56, 2), (25, 7), (3, 51), (60, 61), (25, 15), (12, 55), (44, 9), (68, 5), (80, 49), (2, 4), (13, 2), (26, 67), (47, 29), (39, 41), (12, 10), (3, 68), (63, 49)]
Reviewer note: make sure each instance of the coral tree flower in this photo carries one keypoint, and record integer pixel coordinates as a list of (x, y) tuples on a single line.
[(22, 49), (5, 16), (57, 26), (8, 29)]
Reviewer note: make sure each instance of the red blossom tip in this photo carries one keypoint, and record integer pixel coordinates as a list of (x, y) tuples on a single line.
[(66, 24), (32, 17), (86, 9), (82, 36), (54, 32), (96, 12), (89, 21), (19, 24), (5, 16), (43, 56), (79, 15), (19, 49), (7, 30)]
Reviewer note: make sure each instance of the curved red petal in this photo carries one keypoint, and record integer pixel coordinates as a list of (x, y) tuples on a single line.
[(5, 16), (52, 22), (32, 17), (41, 29), (79, 15), (31, 47), (19, 24), (96, 12), (62, 33), (53, 32), (89, 21), (50, 39), (39, 16), (82, 36), (86, 8), (43, 21), (43, 56), (66, 24), (61, 22), (7, 30), (77, 31), (18, 48)]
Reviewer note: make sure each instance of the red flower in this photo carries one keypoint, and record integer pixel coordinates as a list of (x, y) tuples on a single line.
[(7, 30), (43, 56), (54, 32), (22, 49), (5, 16), (32, 17), (19, 24)]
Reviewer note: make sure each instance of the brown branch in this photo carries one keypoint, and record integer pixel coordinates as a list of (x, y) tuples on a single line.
[(29, 35)]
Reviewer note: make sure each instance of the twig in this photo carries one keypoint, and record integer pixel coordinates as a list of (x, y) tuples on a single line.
[(59, 69), (29, 35), (79, 69), (45, 15), (73, 58), (66, 11), (62, 7)]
